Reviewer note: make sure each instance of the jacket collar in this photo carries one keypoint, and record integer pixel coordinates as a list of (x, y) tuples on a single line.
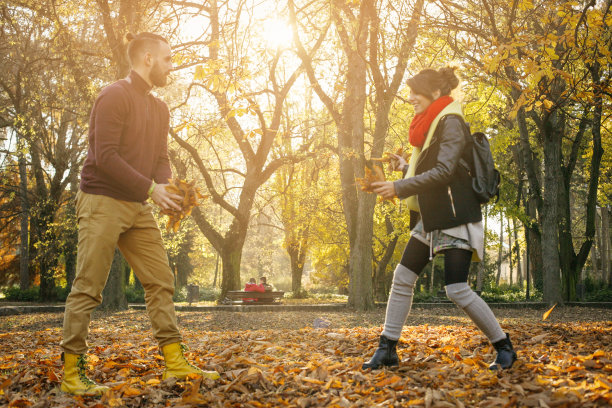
[(138, 83), (452, 108)]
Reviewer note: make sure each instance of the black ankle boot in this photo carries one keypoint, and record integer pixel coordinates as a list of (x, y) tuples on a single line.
[(385, 355), (506, 355)]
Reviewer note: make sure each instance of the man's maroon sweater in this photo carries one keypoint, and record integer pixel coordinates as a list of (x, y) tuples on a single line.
[(128, 141)]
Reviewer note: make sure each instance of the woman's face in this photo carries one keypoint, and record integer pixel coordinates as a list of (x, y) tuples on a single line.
[(420, 102)]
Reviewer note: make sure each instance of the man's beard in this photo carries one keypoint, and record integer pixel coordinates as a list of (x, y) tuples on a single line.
[(157, 76)]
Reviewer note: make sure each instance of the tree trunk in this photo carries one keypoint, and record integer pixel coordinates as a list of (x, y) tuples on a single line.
[(566, 246), (606, 268), (229, 248), (532, 199), (72, 238), (70, 256), (533, 243), (182, 261), (297, 255), (500, 252), (24, 254), (33, 266), (483, 262), (572, 262), (593, 256), (517, 250), (432, 275), (361, 256), (381, 290), (525, 273), (214, 284), (598, 257), (113, 295), (528, 266), (125, 21), (47, 254), (598, 88), (358, 206), (568, 273), (510, 252), (550, 212), (137, 284), (231, 256)]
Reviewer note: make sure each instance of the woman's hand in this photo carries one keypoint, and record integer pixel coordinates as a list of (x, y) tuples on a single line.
[(165, 199), (385, 189), (399, 162)]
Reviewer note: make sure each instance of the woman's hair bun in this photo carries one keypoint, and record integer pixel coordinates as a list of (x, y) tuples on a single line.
[(449, 78), (130, 36), (428, 81)]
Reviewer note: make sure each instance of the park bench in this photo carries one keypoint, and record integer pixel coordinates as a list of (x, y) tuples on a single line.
[(265, 298)]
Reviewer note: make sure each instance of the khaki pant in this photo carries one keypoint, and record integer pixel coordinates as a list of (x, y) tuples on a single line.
[(105, 223)]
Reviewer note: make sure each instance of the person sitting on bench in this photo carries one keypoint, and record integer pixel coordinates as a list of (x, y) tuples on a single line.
[(252, 286), (263, 282)]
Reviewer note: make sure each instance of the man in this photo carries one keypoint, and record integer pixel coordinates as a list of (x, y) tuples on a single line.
[(127, 163), (263, 281)]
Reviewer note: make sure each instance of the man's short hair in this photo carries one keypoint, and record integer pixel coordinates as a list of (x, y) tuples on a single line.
[(138, 43)]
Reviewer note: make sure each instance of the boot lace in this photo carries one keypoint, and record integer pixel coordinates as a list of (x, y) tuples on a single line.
[(183, 349), (82, 365)]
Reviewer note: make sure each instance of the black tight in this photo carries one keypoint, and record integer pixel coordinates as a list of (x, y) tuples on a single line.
[(456, 265), (456, 261), (415, 256)]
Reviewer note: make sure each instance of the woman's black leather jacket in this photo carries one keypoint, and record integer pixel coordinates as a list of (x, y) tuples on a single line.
[(443, 187)]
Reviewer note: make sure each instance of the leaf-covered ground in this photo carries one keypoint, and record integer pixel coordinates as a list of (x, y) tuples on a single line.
[(270, 359)]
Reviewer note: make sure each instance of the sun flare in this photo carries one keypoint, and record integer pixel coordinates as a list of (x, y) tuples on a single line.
[(277, 33)]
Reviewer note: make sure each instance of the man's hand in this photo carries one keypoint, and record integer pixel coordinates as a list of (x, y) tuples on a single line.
[(165, 199), (385, 189)]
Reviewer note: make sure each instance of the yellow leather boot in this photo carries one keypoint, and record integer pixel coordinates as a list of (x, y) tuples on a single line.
[(75, 379), (178, 366)]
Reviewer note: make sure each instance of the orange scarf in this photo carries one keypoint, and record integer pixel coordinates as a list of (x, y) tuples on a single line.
[(421, 122)]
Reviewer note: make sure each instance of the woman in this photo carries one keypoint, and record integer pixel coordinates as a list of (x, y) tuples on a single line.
[(438, 190), (252, 286)]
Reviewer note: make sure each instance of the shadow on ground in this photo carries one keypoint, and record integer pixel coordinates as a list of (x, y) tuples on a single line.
[(224, 321)]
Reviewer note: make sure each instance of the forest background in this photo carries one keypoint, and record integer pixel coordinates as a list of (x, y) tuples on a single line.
[(278, 106)]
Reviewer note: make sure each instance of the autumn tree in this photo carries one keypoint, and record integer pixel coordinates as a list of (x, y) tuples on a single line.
[(46, 98), (365, 44), (550, 59), (10, 211), (247, 118)]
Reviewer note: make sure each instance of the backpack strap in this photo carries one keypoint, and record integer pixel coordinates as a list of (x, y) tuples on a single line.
[(468, 133)]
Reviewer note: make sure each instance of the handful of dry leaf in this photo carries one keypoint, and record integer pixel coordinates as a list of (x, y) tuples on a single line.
[(370, 177), (190, 195), (392, 160)]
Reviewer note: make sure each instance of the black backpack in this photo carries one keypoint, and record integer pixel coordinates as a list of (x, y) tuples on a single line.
[(485, 177)]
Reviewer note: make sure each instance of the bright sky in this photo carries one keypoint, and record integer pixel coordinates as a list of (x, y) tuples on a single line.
[(275, 31)]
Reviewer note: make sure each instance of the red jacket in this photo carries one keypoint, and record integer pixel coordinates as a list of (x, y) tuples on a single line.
[(252, 287)]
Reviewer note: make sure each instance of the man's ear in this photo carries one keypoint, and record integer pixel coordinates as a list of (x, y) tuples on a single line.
[(148, 59), (437, 93)]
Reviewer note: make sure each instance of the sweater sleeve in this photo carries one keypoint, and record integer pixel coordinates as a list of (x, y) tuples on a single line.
[(162, 171), (111, 110)]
